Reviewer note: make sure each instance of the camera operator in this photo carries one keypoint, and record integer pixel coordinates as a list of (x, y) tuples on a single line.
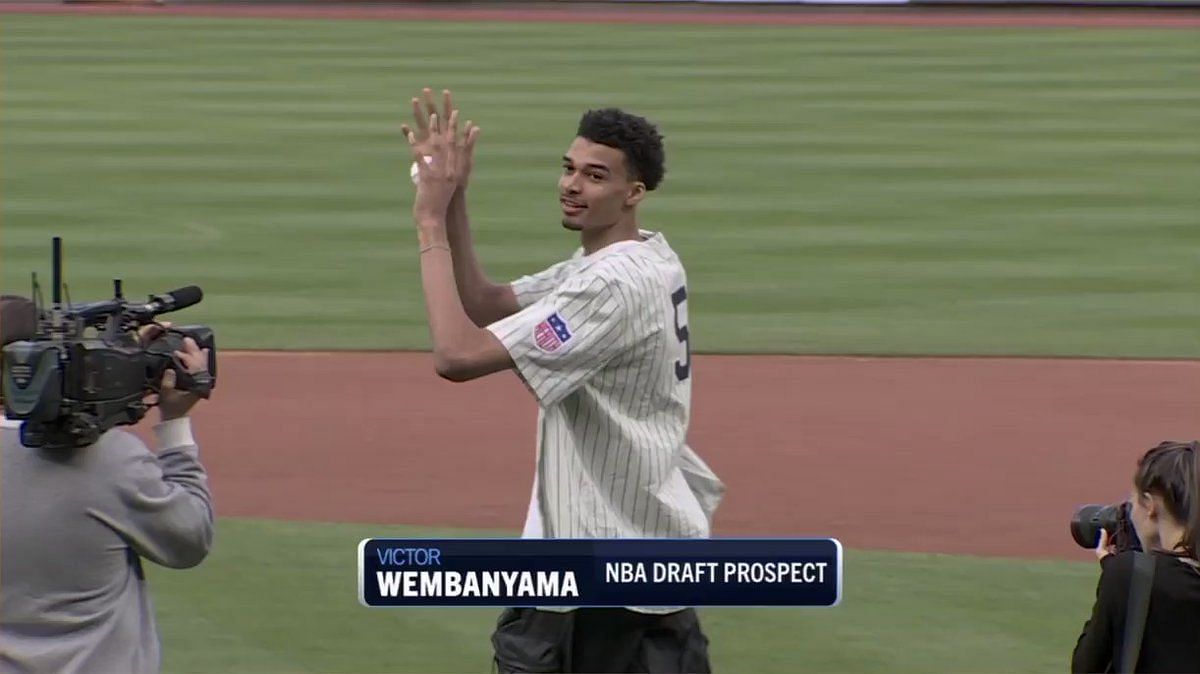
[(1165, 512), (76, 523)]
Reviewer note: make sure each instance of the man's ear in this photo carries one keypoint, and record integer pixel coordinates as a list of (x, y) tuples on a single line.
[(637, 192)]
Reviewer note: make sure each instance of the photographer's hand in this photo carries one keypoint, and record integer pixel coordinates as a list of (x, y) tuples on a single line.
[(173, 403), (1104, 548)]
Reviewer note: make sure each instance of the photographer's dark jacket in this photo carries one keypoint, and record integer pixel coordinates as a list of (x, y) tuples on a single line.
[(1171, 641), (73, 529)]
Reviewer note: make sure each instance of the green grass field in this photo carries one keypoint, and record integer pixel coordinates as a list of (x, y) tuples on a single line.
[(282, 597), (831, 190)]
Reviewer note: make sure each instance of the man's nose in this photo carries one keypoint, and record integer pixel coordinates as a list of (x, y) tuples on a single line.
[(570, 183)]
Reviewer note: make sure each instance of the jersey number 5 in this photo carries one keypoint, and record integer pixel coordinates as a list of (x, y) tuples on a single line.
[(682, 370)]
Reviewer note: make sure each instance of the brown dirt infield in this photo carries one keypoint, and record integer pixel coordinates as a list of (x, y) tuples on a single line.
[(627, 14), (958, 455)]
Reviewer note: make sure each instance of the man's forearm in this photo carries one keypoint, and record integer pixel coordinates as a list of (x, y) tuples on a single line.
[(161, 505), (453, 332), (473, 284)]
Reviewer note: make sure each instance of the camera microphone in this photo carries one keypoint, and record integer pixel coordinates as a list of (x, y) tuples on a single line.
[(180, 298)]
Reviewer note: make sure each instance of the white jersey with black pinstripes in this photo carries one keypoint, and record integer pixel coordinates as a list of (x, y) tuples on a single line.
[(602, 343)]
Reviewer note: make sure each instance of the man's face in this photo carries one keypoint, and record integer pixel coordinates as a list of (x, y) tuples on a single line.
[(595, 187)]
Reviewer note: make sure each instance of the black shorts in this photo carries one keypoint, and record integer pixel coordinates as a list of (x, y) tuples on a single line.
[(599, 640)]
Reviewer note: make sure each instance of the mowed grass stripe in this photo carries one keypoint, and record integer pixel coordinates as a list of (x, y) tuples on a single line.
[(955, 184)]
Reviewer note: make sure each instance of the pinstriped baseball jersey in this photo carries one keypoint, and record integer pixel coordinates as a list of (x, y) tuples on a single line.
[(602, 343)]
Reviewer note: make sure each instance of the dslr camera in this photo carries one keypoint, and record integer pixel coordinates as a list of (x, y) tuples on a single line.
[(87, 369), (1114, 518)]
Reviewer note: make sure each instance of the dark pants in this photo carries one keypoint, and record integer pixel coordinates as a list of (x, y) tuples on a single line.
[(599, 640)]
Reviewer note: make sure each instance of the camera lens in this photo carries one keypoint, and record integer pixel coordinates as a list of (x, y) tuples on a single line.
[(1086, 525)]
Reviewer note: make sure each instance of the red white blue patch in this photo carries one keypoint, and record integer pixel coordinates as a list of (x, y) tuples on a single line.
[(551, 334)]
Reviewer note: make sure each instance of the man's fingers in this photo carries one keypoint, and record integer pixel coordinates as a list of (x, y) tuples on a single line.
[(189, 351), (152, 331), (409, 136), (419, 116), (430, 106), (466, 135), (467, 156), (447, 102), (168, 380), (413, 147), (453, 126), (194, 358)]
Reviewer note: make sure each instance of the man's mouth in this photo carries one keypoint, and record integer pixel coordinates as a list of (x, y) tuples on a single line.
[(571, 207)]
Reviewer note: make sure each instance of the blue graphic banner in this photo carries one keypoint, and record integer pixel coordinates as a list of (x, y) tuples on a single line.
[(585, 572)]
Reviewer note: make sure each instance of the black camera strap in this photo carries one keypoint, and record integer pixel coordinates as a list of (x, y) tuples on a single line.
[(1139, 606)]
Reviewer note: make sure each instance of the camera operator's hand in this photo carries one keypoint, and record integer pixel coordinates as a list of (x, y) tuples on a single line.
[(173, 403), (152, 331), (1105, 547)]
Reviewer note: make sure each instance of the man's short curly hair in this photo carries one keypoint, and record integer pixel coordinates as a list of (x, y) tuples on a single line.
[(636, 136)]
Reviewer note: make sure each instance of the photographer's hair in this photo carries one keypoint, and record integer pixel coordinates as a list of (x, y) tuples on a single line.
[(635, 136), (18, 319), (1171, 471)]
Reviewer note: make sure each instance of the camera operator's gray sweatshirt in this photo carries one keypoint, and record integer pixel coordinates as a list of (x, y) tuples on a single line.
[(73, 529)]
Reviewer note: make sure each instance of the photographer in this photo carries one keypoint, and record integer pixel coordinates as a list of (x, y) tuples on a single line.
[(1164, 509), (76, 523)]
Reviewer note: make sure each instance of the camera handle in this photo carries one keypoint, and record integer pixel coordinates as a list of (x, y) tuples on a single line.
[(1139, 606)]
